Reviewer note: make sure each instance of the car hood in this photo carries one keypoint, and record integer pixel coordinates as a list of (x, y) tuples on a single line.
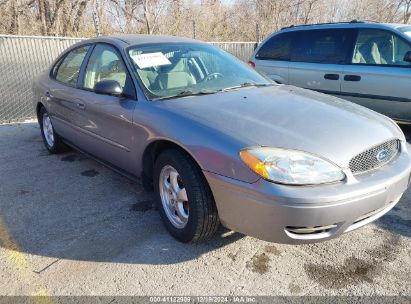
[(293, 118)]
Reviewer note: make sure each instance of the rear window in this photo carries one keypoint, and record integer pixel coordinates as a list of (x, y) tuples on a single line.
[(69, 68), (276, 48), (406, 30), (321, 46)]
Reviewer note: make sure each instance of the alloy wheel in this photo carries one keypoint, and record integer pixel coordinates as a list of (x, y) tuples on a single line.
[(48, 130), (174, 197)]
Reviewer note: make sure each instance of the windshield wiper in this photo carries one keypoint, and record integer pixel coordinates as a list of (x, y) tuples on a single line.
[(247, 84), (187, 93)]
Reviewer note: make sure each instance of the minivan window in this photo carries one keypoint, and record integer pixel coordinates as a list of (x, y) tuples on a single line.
[(321, 46), (69, 69), (380, 47), (276, 48)]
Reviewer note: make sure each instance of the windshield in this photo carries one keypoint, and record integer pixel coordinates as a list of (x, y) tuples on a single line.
[(406, 30), (174, 70)]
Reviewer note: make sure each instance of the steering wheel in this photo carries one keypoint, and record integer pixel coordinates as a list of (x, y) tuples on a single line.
[(213, 76)]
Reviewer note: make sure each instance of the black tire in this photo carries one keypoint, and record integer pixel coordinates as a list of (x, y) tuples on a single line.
[(58, 145), (203, 220)]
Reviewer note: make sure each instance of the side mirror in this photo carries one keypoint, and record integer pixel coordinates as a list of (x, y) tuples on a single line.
[(407, 57), (108, 87)]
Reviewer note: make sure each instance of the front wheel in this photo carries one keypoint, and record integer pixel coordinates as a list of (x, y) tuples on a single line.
[(184, 198)]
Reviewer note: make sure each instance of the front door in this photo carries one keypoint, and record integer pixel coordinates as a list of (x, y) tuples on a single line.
[(377, 76), (105, 121)]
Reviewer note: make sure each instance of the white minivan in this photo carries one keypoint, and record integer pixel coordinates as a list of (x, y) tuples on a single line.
[(366, 63)]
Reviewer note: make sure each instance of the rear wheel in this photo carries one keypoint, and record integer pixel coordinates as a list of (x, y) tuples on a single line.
[(184, 198), (51, 139)]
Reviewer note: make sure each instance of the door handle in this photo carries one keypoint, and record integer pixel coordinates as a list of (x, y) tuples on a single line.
[(352, 78), (332, 76), (80, 105)]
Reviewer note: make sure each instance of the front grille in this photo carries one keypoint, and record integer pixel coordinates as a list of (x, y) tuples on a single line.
[(375, 157), (310, 230)]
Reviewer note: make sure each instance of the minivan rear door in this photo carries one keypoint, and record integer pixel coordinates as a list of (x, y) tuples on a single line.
[(318, 57), (377, 75)]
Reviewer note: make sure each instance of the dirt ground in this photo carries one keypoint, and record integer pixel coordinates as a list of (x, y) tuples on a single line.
[(69, 226)]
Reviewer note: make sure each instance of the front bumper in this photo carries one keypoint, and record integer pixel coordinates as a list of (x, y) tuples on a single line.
[(306, 214)]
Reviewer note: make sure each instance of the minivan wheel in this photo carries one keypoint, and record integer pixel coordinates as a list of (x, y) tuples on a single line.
[(51, 139), (184, 198)]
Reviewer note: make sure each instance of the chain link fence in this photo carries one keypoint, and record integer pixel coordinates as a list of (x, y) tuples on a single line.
[(21, 59), (242, 50), (24, 57)]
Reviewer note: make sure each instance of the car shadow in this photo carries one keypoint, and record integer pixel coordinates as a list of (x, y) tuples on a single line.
[(398, 220), (68, 206)]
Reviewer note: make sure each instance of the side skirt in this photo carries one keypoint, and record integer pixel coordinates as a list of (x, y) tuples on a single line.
[(120, 171)]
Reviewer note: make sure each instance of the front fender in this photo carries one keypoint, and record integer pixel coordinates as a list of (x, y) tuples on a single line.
[(213, 150)]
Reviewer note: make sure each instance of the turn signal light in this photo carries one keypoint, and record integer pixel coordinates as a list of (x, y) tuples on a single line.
[(254, 163)]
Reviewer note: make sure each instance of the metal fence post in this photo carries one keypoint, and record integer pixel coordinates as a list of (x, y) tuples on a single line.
[(257, 35)]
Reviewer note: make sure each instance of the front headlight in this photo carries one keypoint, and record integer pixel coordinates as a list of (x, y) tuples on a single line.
[(290, 166)]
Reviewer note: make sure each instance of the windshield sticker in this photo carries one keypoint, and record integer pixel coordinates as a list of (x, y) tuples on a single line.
[(150, 60)]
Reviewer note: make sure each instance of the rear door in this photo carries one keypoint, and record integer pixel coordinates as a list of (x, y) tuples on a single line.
[(105, 121), (318, 57), (272, 58), (377, 76), (62, 91)]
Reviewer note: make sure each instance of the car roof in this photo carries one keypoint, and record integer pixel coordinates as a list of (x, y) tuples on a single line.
[(351, 24), (354, 24), (145, 39), (122, 41)]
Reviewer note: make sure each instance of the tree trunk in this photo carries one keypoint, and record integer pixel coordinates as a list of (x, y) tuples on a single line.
[(79, 16), (147, 17), (14, 19), (42, 16)]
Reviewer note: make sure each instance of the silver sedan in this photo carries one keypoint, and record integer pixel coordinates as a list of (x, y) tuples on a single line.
[(220, 143)]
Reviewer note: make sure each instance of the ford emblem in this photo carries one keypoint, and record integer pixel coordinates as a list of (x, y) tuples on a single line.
[(381, 155)]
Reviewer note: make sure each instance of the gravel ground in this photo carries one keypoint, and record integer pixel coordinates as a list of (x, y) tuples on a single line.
[(69, 226)]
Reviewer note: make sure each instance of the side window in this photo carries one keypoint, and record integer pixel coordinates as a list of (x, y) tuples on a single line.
[(276, 48), (105, 64), (379, 47), (322, 46), (55, 67), (69, 69)]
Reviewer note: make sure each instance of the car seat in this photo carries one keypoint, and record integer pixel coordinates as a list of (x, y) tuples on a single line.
[(175, 75), (370, 53)]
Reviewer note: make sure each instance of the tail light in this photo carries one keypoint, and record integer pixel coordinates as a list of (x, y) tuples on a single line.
[(251, 64)]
